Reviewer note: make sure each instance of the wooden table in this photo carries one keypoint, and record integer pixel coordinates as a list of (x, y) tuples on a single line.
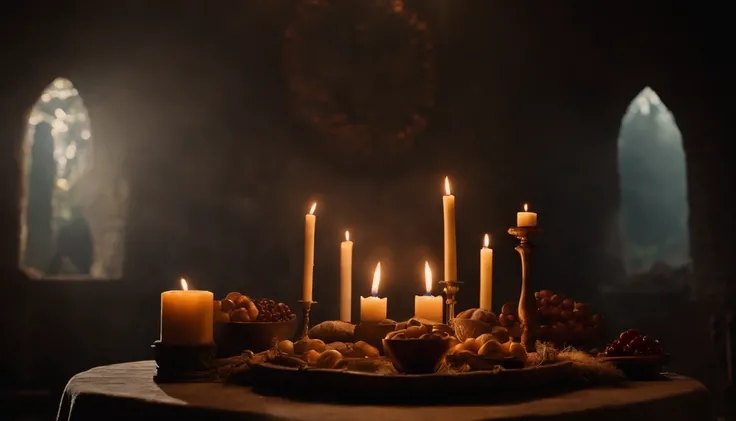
[(128, 392)]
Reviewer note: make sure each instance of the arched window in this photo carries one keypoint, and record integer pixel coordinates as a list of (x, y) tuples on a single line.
[(72, 210), (653, 180)]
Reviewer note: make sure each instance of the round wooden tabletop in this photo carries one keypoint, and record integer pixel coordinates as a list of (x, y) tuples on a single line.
[(127, 392)]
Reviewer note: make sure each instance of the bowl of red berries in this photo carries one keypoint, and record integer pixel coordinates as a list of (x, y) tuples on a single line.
[(242, 323), (638, 356)]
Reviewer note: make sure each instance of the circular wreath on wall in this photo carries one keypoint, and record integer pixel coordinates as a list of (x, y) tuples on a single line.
[(361, 75)]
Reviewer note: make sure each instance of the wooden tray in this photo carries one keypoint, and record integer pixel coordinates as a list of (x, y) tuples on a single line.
[(442, 387)]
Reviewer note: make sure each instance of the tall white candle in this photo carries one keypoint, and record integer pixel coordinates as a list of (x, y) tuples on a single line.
[(309, 226), (373, 309), (346, 277), (428, 307), (486, 274), (186, 317), (448, 207), (526, 219)]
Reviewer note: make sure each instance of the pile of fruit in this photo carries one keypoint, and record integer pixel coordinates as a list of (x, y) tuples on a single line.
[(488, 347), (562, 320), (417, 331), (633, 343), (236, 307), (315, 352), (492, 321)]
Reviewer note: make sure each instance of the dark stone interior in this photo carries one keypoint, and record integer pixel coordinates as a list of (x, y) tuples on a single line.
[(194, 103)]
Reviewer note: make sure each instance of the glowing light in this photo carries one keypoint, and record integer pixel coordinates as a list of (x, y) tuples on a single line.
[(526, 207), (184, 285), (313, 208), (427, 277), (85, 133), (376, 280), (486, 241), (447, 186), (347, 235)]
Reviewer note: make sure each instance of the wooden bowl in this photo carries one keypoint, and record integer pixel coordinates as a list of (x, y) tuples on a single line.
[(235, 337), (416, 356), (645, 367), (469, 328)]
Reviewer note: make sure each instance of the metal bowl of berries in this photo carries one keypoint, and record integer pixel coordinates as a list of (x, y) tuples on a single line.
[(242, 323), (638, 356)]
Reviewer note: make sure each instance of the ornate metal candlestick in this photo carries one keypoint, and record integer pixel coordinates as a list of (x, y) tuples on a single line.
[(451, 288), (306, 308), (527, 303)]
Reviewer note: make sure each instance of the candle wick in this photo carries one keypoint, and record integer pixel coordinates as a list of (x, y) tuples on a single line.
[(428, 294)]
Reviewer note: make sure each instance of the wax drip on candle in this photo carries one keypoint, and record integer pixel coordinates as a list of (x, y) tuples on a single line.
[(376, 280), (184, 285), (428, 279)]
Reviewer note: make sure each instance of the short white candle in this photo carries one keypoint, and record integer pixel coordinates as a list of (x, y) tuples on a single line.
[(346, 277), (186, 317), (486, 274), (428, 307), (526, 218), (309, 227), (373, 309)]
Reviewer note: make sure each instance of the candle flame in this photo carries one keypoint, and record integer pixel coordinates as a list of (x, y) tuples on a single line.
[(313, 208), (486, 241), (526, 207), (447, 186), (184, 285), (347, 235), (376, 280), (428, 277)]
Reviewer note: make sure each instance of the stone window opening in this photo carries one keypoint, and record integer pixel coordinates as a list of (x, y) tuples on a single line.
[(653, 182), (73, 201)]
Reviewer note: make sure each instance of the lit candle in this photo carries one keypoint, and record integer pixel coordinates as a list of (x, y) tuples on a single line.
[(486, 274), (309, 223), (428, 306), (526, 219), (186, 317), (373, 309), (346, 277), (448, 207)]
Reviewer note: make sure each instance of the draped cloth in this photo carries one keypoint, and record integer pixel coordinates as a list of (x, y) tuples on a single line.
[(127, 392)]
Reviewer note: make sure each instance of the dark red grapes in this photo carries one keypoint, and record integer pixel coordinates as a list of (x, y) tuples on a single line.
[(271, 311), (632, 343)]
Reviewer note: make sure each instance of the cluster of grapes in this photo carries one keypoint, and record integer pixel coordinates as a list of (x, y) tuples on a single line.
[(632, 342), (270, 311)]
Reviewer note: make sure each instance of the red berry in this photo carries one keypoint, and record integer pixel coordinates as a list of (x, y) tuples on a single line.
[(637, 343)]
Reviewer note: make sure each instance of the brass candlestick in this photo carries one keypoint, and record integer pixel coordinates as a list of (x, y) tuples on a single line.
[(451, 288), (306, 308), (527, 303)]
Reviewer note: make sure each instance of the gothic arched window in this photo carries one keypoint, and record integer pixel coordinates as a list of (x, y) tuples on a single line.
[(653, 180), (72, 211)]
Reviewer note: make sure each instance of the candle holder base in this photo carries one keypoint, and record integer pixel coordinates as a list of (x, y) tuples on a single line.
[(184, 364), (306, 309), (451, 289), (527, 303)]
